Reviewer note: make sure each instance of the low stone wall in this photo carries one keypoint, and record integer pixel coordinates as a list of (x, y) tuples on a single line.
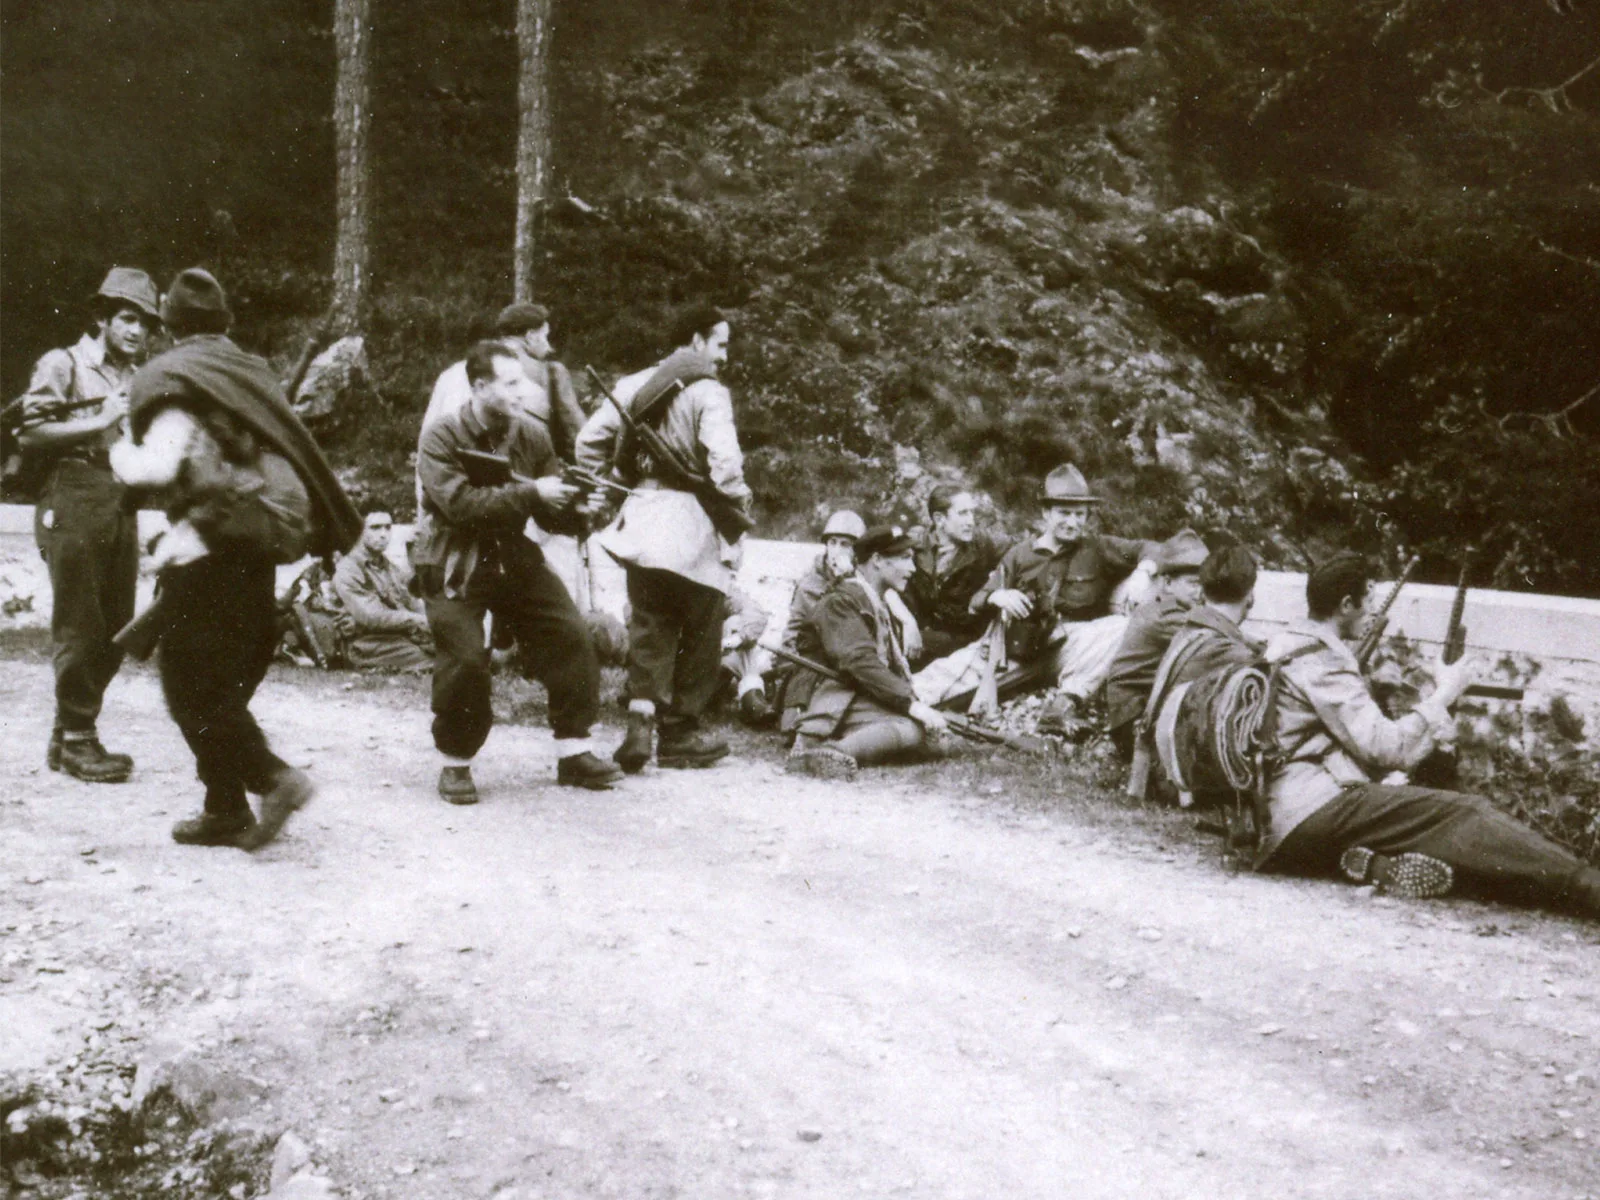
[(1551, 644)]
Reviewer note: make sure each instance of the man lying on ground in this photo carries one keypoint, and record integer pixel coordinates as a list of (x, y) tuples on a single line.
[(1338, 803), (1054, 594), (872, 715), (951, 566), (1150, 630), (389, 627)]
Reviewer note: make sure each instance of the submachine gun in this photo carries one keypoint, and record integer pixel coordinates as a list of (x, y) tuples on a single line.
[(1368, 645), (1455, 641)]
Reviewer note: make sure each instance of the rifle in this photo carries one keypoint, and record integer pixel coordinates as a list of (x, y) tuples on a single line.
[(1025, 743), (52, 410), (319, 336), (727, 517), (491, 470), (1455, 642), (1368, 645), (137, 639)]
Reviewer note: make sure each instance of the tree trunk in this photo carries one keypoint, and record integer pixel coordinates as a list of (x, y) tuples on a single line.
[(533, 134), (351, 118)]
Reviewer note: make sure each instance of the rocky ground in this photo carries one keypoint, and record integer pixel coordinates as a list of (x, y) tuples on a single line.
[(980, 979)]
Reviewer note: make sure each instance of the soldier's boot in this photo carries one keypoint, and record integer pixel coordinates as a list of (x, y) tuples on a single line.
[(586, 771), (820, 762), (1414, 876), (637, 744), (83, 757), (290, 792), (213, 829), (456, 786), (690, 748)]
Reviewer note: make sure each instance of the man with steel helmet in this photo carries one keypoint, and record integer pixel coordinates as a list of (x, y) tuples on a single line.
[(72, 413)]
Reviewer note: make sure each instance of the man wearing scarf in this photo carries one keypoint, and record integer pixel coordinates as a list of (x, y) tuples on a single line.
[(211, 434)]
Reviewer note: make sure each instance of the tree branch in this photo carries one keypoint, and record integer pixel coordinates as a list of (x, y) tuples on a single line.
[(1558, 423), (1553, 98)]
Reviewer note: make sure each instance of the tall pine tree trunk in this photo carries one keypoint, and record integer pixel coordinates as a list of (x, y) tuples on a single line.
[(351, 118), (533, 134)]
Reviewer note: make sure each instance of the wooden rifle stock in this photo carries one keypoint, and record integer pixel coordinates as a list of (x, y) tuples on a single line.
[(968, 729), (1380, 622)]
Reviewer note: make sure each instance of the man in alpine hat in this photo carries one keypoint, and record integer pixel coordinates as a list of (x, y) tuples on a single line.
[(1054, 594), (71, 415)]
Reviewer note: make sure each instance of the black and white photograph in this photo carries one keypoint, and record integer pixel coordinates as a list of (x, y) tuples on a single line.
[(800, 599)]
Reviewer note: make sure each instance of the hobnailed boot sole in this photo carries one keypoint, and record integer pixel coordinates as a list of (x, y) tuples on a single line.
[(822, 762), (1411, 875), (292, 793)]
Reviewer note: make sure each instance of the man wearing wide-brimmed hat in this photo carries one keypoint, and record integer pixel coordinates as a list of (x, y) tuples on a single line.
[(1150, 631), (1054, 595), (71, 415), (870, 713)]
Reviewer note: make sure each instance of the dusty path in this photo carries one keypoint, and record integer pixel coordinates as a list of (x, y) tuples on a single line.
[(669, 990)]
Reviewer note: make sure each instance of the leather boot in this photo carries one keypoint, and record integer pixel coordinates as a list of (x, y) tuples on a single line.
[(586, 771), (690, 748), (637, 743), (291, 791), (87, 759), (208, 829)]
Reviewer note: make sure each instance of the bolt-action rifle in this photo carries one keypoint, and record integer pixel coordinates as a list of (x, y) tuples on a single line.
[(1455, 641), (1368, 645), (1026, 743), (727, 516)]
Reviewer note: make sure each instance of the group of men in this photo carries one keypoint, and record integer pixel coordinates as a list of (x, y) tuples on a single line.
[(886, 637)]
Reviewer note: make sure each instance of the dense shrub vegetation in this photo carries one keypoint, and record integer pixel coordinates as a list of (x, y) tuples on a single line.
[(1322, 273)]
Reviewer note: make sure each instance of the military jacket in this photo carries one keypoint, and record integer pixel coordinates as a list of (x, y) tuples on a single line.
[(942, 601), (855, 635)]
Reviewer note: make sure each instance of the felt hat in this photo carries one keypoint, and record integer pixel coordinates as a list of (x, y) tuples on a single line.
[(194, 290), (1181, 554), (883, 540), (129, 285), (1066, 485), (845, 524)]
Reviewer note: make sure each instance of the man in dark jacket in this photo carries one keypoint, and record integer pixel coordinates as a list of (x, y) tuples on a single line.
[(246, 488), (871, 715), (473, 557), (951, 567)]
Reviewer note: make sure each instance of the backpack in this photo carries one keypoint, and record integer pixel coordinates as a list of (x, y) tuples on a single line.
[(1216, 737)]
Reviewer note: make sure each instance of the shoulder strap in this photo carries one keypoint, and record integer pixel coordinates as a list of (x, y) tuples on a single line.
[(1179, 653)]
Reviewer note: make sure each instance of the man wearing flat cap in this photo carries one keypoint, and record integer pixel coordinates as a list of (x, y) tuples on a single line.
[(1054, 595), (72, 413), (1150, 631), (871, 713), (524, 329), (212, 438)]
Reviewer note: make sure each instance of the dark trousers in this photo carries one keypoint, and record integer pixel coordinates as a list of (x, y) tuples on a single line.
[(218, 637), (674, 645), (553, 646), (1492, 853), (92, 548)]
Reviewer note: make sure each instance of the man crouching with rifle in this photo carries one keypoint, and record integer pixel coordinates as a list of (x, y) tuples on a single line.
[(668, 434)]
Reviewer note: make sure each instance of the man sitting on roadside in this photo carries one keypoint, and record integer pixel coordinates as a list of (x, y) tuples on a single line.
[(1150, 631), (1054, 594), (950, 569), (745, 662), (1327, 810), (870, 713), (389, 629)]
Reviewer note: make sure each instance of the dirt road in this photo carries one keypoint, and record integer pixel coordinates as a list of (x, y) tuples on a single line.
[(732, 983)]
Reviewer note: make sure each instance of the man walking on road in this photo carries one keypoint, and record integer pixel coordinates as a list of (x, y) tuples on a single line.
[(72, 414), (678, 565), (246, 488), (473, 557)]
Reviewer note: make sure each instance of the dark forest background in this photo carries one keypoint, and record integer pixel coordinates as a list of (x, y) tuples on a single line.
[(1324, 273)]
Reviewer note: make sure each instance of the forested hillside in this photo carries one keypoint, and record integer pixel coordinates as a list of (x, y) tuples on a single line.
[(1325, 273)]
